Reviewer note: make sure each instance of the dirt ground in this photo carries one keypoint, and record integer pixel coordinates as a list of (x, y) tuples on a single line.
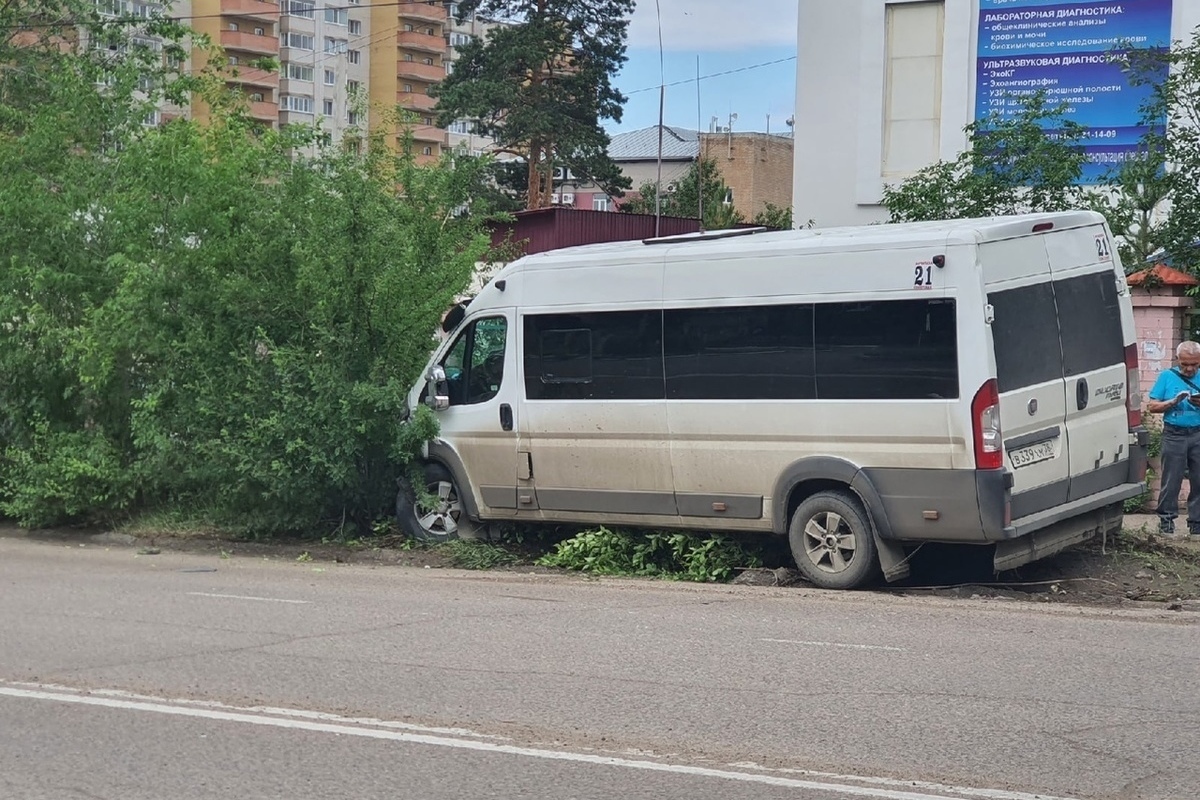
[(1136, 569)]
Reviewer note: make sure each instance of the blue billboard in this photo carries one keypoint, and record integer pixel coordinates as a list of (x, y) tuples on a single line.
[(1066, 50)]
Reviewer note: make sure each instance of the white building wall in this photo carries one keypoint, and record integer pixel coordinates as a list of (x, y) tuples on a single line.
[(841, 100)]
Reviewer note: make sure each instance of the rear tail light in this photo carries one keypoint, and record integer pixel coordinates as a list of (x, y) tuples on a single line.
[(985, 427), (1133, 381)]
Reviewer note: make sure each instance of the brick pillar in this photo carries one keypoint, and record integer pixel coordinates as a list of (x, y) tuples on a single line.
[(1158, 316)]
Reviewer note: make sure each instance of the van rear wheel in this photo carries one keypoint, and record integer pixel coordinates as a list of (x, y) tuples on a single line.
[(832, 542), (438, 515)]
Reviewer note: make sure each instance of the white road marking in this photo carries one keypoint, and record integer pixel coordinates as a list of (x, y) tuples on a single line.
[(837, 644), (989, 794), (328, 723), (247, 597)]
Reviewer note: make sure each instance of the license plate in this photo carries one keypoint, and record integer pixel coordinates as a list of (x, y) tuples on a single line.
[(1032, 454)]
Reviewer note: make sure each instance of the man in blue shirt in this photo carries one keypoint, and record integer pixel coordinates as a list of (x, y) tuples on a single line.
[(1176, 395)]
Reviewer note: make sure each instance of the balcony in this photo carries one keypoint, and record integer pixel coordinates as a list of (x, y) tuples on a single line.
[(264, 110), (250, 42), (424, 12), (249, 76), (415, 101), (423, 134), (255, 9), (416, 71), (422, 42)]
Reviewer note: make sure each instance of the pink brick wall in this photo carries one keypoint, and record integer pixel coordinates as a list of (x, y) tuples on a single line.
[(1158, 336), (1158, 320)]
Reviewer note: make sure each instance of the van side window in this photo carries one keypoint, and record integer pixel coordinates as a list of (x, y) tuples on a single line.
[(887, 350), (474, 364), (748, 353), (615, 355)]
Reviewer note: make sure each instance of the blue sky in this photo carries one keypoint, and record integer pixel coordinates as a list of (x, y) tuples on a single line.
[(741, 37)]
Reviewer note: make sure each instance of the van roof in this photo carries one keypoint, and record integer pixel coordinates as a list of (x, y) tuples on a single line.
[(906, 234)]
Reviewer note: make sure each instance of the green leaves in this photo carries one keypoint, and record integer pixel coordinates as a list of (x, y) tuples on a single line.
[(196, 317), (675, 555), (1011, 166)]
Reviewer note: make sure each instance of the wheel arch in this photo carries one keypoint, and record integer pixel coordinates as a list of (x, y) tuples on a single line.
[(808, 476), (444, 456)]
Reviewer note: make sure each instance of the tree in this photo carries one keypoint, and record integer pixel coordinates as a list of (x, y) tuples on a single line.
[(703, 179), (541, 86), (1010, 166), (1132, 201), (196, 319), (1174, 109)]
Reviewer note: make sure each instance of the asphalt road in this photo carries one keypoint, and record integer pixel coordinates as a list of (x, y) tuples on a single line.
[(179, 676)]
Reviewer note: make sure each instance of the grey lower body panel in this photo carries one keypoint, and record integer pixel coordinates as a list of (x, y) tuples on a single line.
[(940, 505)]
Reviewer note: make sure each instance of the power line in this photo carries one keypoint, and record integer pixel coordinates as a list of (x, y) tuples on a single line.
[(717, 74)]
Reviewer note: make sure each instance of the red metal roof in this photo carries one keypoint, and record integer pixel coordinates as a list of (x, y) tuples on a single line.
[(558, 226), (1163, 276)]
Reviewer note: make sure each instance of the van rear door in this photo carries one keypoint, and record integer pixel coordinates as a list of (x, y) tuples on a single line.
[(1059, 342), (1088, 291), (1029, 371)]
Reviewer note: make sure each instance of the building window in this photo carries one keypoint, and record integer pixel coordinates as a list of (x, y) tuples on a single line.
[(233, 26), (233, 61), (427, 62), (327, 108), (354, 56), (301, 41), (352, 117), (330, 77), (297, 103), (601, 202), (260, 31), (427, 120), (300, 8), (427, 151), (408, 57), (299, 72), (152, 119), (352, 88), (335, 16), (408, 87), (408, 28), (355, 27), (335, 45), (256, 97), (912, 102), (459, 39)]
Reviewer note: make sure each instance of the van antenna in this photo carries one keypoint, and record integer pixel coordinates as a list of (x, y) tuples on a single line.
[(699, 159), (662, 93)]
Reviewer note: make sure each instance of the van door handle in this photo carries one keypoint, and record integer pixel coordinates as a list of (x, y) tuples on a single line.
[(1081, 394), (506, 418)]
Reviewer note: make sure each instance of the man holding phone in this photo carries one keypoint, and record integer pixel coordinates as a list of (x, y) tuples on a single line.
[(1176, 395)]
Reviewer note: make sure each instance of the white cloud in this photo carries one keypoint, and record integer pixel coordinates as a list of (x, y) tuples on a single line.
[(706, 25)]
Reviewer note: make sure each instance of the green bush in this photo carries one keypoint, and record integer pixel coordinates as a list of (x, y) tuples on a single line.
[(675, 555), (216, 316)]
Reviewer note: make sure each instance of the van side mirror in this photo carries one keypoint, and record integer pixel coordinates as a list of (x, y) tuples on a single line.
[(438, 397)]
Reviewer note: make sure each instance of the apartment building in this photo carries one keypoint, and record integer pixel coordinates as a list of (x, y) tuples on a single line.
[(247, 30), (407, 58), (323, 53)]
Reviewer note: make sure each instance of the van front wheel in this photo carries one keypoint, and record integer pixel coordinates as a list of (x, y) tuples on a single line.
[(438, 514), (832, 543)]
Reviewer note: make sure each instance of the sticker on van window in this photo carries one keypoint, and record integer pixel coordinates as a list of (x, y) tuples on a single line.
[(923, 275), (1103, 248)]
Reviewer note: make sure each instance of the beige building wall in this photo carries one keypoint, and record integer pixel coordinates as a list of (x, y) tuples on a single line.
[(757, 167)]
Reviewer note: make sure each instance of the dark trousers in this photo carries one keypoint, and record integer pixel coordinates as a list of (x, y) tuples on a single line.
[(1180, 456)]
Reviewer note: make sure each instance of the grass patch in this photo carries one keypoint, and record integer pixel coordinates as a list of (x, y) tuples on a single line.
[(671, 555), (466, 554)]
